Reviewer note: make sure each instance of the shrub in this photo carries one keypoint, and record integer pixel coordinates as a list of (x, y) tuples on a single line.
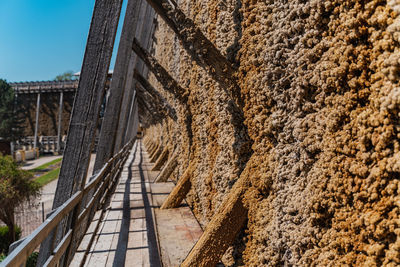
[(2, 257), (4, 240), (32, 260), (16, 187)]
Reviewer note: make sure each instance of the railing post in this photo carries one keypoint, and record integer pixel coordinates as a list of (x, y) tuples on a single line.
[(75, 235)]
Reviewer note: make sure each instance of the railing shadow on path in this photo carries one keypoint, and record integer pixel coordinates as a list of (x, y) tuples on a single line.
[(120, 254), (122, 245)]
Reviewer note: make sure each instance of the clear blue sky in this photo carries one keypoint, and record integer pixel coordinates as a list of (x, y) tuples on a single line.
[(40, 39)]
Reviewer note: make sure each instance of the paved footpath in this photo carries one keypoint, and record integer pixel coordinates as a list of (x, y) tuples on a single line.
[(30, 215), (31, 164)]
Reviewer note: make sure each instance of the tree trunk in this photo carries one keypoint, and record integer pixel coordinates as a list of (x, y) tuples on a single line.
[(11, 233), (10, 222)]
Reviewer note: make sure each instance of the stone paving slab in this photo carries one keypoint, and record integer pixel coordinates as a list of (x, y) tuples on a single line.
[(178, 230)]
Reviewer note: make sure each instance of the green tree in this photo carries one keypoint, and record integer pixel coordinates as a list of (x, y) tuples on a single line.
[(10, 120), (16, 187), (66, 76)]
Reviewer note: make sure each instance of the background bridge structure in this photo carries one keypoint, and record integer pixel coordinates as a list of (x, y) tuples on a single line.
[(47, 109)]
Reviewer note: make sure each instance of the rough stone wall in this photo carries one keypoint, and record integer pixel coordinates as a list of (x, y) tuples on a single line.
[(319, 90), (48, 116)]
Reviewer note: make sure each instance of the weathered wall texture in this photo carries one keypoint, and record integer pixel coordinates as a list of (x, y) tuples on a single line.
[(48, 115), (319, 91)]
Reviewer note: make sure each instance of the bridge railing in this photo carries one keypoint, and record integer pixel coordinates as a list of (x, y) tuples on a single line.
[(101, 184), (46, 144)]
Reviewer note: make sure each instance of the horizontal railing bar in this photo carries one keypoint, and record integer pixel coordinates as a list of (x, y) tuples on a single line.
[(96, 179), (85, 211), (23, 251), (103, 188), (124, 153), (60, 250), (91, 202), (102, 172)]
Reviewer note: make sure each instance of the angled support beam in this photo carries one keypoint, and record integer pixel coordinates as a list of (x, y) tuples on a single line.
[(180, 190), (148, 142), (154, 93), (124, 118), (161, 160), (222, 230), (131, 130), (162, 75), (168, 169), (153, 150), (91, 87), (109, 126), (143, 33), (136, 123), (199, 47), (156, 153), (150, 146), (158, 109), (149, 108)]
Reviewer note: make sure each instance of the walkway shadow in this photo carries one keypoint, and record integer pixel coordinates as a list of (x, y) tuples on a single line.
[(122, 246), (154, 256), (120, 253)]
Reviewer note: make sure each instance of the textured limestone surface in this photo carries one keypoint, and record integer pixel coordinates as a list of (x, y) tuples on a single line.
[(313, 124)]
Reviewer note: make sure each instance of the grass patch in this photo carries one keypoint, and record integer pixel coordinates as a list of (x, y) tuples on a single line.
[(45, 166), (48, 177)]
